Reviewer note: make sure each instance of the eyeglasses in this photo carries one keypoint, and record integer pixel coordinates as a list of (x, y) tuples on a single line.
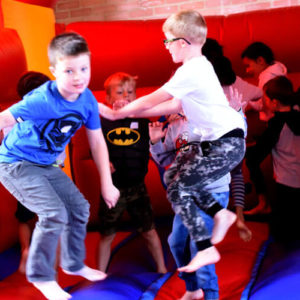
[(176, 39)]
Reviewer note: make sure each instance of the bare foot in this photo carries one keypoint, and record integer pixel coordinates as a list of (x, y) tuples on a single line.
[(51, 290), (23, 261), (194, 295), (223, 219), (88, 273), (205, 257)]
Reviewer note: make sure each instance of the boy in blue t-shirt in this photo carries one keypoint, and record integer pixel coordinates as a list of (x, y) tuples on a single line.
[(44, 122)]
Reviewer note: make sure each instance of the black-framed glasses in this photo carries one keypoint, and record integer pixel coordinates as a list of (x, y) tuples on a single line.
[(176, 39)]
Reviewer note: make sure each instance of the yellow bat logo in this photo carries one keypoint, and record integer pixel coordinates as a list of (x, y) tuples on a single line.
[(123, 136)]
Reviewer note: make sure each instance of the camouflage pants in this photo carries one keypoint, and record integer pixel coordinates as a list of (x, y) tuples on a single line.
[(192, 171)]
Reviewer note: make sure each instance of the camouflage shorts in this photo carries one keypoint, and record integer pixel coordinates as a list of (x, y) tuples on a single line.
[(136, 201), (192, 171)]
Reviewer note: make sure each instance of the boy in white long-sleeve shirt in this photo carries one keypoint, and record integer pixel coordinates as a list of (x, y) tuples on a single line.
[(195, 89), (164, 146)]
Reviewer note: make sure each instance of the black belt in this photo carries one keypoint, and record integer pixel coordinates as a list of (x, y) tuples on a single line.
[(237, 132), (205, 145)]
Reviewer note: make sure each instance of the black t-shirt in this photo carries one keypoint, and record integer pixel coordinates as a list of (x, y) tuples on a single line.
[(128, 146)]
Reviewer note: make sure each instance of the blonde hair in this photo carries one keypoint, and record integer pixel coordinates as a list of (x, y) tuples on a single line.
[(188, 24), (118, 78)]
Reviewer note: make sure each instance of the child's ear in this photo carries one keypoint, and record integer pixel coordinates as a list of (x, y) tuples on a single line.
[(260, 60), (276, 103), (52, 70), (182, 43)]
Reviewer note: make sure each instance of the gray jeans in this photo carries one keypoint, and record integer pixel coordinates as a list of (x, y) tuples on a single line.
[(62, 212)]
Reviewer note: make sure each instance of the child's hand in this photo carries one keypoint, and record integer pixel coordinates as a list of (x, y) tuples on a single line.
[(110, 195), (236, 99), (175, 117), (119, 104), (106, 112), (156, 131)]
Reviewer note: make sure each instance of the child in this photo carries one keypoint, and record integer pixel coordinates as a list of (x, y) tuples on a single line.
[(282, 139), (195, 89), (260, 63), (227, 77), (239, 93), (179, 137), (44, 122), (28, 82), (26, 218), (129, 162), (233, 85)]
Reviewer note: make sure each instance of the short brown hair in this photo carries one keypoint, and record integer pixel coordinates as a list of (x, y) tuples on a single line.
[(67, 44), (188, 24), (281, 89)]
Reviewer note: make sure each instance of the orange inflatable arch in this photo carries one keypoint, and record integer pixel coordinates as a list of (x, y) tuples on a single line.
[(34, 22)]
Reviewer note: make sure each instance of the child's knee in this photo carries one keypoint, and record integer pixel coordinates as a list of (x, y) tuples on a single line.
[(81, 212), (54, 219)]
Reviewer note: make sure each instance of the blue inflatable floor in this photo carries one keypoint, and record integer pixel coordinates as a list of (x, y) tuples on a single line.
[(278, 277), (9, 261), (132, 272)]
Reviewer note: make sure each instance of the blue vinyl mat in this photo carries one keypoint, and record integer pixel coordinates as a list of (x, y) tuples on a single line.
[(132, 272), (9, 261), (278, 277)]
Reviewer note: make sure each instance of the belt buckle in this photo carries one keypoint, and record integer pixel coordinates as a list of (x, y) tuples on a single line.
[(204, 146)]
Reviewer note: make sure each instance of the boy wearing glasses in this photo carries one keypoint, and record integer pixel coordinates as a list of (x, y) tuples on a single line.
[(128, 145), (195, 89), (163, 147)]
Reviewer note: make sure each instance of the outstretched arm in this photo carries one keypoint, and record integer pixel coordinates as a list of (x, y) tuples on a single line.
[(256, 154), (169, 107), (137, 107), (100, 154)]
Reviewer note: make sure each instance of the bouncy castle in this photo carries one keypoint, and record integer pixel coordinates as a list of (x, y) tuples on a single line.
[(258, 269)]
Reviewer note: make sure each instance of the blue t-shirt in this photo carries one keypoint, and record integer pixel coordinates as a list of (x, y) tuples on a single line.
[(46, 123)]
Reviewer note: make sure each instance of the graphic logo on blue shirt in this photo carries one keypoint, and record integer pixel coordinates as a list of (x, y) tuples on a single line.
[(57, 132)]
